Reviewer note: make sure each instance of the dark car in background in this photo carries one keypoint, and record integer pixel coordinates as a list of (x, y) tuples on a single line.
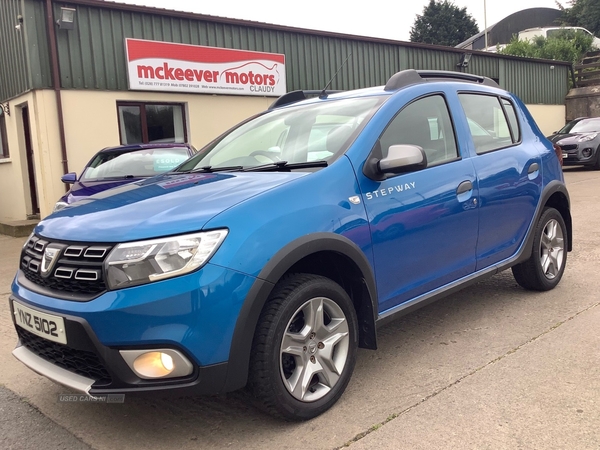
[(579, 141), (114, 166)]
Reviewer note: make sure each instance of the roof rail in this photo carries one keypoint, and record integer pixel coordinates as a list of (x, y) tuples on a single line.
[(411, 76), (296, 96)]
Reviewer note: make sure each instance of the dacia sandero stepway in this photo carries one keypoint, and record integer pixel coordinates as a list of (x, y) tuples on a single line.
[(270, 256)]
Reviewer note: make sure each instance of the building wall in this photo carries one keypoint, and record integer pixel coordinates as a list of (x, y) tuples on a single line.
[(16, 204), (548, 117), (13, 67), (91, 58)]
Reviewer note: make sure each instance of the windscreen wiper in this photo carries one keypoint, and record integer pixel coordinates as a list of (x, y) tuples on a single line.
[(210, 169), (285, 166), (120, 177)]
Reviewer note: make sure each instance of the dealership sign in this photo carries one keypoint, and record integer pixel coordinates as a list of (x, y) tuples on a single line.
[(164, 66)]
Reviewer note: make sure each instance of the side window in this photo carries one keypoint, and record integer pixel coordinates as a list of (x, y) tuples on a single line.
[(426, 123), (488, 123), (512, 120)]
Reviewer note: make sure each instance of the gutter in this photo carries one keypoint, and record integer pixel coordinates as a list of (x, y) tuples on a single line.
[(56, 83)]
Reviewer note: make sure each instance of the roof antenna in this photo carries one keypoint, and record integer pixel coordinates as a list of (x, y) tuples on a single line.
[(323, 92)]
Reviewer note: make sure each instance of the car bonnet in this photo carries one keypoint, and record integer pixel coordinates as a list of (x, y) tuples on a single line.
[(166, 205)]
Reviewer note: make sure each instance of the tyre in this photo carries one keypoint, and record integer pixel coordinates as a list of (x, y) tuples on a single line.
[(597, 163), (544, 268), (304, 347)]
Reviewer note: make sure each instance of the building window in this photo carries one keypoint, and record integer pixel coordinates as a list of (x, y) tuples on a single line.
[(3, 139), (151, 122)]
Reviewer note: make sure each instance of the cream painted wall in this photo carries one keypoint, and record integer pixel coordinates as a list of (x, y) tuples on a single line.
[(549, 118), (91, 123), (15, 203)]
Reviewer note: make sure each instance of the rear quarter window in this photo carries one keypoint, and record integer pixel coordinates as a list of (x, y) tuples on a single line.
[(492, 121)]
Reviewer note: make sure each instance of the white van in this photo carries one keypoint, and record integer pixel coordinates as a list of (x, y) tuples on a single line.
[(547, 32)]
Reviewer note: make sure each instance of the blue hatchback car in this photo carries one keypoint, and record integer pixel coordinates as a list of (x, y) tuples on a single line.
[(268, 258), (115, 166)]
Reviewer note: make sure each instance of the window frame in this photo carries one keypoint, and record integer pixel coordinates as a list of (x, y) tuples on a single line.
[(499, 99), (144, 123), (4, 150), (376, 151)]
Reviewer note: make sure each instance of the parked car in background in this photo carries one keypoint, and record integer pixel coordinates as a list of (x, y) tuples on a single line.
[(548, 32), (579, 141), (114, 166)]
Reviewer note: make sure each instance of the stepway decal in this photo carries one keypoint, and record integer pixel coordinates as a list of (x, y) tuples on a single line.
[(164, 66)]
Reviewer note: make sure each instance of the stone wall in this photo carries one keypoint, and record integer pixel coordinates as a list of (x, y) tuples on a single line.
[(583, 102)]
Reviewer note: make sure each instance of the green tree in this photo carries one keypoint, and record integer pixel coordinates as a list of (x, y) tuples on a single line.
[(582, 13), (568, 45), (443, 23)]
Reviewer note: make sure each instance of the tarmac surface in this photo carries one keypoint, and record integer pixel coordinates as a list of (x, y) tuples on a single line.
[(491, 367)]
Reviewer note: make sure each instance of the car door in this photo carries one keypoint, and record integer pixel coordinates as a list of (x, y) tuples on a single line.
[(509, 174), (423, 223)]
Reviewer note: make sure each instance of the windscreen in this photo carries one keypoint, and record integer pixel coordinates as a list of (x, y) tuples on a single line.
[(586, 126), (139, 163), (298, 134)]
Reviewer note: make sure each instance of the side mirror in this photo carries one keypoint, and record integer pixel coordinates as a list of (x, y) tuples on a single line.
[(69, 178), (403, 158)]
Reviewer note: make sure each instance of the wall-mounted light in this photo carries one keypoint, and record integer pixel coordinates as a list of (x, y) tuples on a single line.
[(67, 18), (5, 109), (464, 60)]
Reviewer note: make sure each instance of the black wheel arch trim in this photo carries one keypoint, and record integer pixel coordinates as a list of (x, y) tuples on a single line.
[(278, 265), (551, 188)]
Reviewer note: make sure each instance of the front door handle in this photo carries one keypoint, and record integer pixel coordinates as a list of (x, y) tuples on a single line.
[(463, 187)]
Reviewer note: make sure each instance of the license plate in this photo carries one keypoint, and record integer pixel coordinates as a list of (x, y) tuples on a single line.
[(565, 155), (44, 325)]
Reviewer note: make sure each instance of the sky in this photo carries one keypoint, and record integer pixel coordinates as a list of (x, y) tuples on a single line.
[(374, 18)]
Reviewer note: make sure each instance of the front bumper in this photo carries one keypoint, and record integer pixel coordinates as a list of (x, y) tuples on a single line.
[(580, 154), (194, 314)]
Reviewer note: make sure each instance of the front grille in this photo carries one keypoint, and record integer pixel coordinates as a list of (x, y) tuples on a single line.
[(81, 362), (566, 148), (65, 267)]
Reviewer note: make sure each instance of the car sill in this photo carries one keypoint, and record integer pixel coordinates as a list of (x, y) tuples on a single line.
[(425, 299)]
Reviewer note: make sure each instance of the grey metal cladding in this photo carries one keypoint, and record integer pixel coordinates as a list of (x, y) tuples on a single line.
[(92, 56), (14, 78), (534, 82)]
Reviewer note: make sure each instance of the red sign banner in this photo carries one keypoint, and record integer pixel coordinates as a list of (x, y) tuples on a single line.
[(165, 66)]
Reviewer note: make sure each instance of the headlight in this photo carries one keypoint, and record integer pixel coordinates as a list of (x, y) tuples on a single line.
[(142, 262), (588, 137), (59, 206)]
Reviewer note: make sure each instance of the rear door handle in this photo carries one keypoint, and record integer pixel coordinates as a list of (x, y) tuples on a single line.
[(533, 168), (463, 187)]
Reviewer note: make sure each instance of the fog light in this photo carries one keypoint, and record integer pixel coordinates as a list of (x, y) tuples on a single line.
[(586, 152), (159, 363), (152, 365)]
